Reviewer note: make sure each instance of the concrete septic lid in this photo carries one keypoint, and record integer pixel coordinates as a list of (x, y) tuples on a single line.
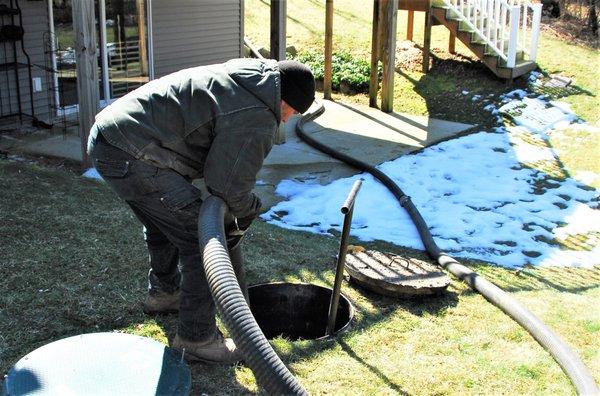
[(100, 363), (394, 275)]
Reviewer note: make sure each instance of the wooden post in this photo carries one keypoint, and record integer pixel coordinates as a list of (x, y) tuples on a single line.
[(278, 15), (87, 69), (410, 23), (389, 21), (427, 39), (328, 49), (374, 81), (141, 14), (452, 43)]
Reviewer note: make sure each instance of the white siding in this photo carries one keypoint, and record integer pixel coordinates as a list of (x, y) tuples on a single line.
[(35, 24), (188, 33)]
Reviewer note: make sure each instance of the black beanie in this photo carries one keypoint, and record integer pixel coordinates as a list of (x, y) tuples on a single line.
[(297, 85)]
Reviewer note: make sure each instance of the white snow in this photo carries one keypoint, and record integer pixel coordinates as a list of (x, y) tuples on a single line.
[(474, 192), (586, 177)]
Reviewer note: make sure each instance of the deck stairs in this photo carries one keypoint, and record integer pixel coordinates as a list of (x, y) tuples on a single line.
[(502, 33)]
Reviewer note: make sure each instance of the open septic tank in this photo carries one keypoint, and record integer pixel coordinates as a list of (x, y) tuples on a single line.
[(297, 310)]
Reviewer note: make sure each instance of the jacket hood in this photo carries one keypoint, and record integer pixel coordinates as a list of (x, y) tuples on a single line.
[(259, 77)]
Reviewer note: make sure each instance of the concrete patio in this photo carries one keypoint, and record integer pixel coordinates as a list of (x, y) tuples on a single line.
[(362, 132)]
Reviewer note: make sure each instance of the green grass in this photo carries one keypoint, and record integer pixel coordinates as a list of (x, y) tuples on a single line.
[(73, 261), (578, 151)]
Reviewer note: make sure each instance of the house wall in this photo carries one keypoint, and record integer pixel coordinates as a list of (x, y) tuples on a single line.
[(188, 33), (35, 24)]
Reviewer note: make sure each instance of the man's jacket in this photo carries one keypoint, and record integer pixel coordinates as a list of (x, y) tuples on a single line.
[(217, 122)]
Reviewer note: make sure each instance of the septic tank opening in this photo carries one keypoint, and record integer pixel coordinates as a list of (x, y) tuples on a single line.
[(296, 311)]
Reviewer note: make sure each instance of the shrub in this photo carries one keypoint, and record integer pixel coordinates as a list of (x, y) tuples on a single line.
[(344, 67)]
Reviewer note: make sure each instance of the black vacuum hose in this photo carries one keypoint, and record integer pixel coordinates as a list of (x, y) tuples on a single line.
[(268, 368), (566, 357)]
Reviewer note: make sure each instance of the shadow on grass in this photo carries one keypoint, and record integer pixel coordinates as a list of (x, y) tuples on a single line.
[(395, 387)]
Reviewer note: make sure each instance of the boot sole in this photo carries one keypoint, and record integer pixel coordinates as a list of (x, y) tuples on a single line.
[(196, 359), (192, 358)]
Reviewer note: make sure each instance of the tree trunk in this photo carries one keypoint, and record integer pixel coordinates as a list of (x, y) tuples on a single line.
[(593, 18)]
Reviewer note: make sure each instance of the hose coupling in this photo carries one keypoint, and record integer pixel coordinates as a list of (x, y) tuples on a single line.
[(404, 200)]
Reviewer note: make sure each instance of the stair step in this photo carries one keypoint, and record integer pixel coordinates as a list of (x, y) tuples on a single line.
[(470, 38)]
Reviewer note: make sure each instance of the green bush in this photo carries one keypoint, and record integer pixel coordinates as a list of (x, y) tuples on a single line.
[(345, 69)]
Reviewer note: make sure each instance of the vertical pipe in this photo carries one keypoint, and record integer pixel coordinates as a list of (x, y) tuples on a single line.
[(328, 49), (347, 209), (374, 79)]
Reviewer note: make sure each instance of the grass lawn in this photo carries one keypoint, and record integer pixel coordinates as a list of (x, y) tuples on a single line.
[(73, 262), (72, 258)]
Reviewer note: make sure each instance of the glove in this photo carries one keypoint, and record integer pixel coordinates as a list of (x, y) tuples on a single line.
[(237, 230)]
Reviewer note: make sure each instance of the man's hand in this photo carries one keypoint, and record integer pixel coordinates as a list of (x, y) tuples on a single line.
[(236, 231)]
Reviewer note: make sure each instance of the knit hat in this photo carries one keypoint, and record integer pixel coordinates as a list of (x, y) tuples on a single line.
[(297, 85)]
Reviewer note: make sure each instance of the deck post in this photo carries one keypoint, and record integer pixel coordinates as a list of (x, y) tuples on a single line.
[(278, 15), (87, 69), (427, 38), (374, 81), (389, 19), (328, 49), (452, 43), (410, 23), (141, 11)]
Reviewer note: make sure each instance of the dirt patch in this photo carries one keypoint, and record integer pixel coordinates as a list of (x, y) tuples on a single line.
[(570, 29), (409, 57)]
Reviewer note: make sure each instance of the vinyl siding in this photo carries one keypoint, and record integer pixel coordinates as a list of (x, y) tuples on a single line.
[(188, 33), (35, 25)]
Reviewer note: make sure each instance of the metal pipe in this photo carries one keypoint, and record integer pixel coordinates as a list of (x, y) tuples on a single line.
[(347, 209), (349, 203)]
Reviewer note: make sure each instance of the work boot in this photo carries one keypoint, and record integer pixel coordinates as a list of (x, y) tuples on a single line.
[(160, 302), (216, 349)]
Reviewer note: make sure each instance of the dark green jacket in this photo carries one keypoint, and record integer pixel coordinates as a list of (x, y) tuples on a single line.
[(217, 122)]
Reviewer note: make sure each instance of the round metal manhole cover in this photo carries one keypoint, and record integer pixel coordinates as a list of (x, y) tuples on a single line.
[(394, 275)]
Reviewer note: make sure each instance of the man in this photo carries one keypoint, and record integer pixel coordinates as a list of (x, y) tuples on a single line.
[(215, 122)]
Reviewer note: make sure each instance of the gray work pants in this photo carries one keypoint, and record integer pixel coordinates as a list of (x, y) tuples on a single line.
[(167, 204)]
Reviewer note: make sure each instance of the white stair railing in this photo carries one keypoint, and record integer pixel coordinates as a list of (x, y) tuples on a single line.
[(505, 26)]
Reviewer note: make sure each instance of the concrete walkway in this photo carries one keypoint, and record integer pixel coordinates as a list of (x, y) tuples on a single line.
[(362, 132)]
